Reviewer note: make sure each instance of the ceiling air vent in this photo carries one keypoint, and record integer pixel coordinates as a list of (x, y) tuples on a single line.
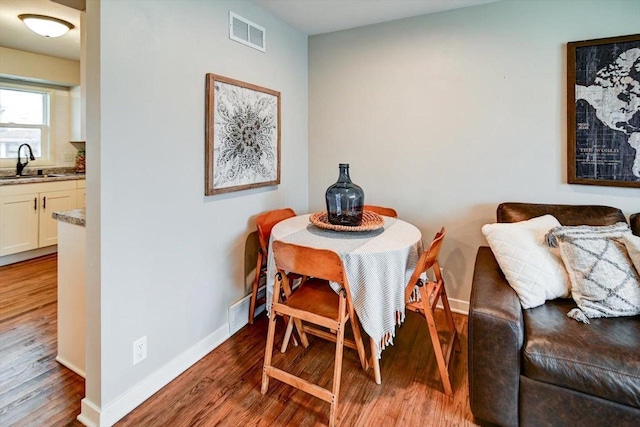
[(246, 32)]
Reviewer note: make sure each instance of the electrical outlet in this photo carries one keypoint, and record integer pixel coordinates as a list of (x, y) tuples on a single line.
[(67, 157), (139, 350)]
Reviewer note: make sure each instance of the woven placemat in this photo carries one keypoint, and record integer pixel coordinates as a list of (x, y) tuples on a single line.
[(370, 221)]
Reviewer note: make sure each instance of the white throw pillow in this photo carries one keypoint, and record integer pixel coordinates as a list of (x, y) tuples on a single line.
[(604, 282), (531, 268)]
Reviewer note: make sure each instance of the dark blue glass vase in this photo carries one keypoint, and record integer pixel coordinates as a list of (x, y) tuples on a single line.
[(345, 200)]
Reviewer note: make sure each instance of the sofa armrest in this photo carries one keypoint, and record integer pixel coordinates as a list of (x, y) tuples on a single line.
[(496, 334), (634, 220)]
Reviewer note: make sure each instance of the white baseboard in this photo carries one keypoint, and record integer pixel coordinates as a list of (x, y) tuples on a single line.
[(459, 306), (23, 256), (89, 413), (71, 366), (94, 416), (239, 313)]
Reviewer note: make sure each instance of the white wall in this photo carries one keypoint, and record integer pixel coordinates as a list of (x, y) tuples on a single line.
[(445, 116), (167, 260), (38, 68)]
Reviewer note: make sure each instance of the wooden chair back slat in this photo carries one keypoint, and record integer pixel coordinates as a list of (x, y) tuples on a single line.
[(430, 256), (267, 221), (427, 261), (381, 210), (319, 263)]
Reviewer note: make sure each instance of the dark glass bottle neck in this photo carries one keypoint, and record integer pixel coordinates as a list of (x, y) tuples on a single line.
[(344, 173)]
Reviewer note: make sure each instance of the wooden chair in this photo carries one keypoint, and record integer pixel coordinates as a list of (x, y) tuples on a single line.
[(381, 210), (265, 223), (422, 297), (314, 302)]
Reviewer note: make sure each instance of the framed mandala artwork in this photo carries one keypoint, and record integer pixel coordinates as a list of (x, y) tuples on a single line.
[(242, 136)]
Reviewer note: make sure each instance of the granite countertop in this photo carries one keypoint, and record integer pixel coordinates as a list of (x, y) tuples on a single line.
[(30, 179), (75, 216)]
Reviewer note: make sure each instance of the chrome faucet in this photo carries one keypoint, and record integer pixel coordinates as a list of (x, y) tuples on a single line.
[(20, 166)]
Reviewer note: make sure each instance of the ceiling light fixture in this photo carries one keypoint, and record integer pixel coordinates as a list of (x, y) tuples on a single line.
[(46, 26)]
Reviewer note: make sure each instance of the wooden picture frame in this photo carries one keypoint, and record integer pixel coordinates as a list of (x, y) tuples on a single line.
[(242, 147), (603, 106)]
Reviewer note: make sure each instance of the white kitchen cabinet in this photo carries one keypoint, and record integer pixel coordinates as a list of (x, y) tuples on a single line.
[(50, 202), (25, 214), (18, 223), (81, 194)]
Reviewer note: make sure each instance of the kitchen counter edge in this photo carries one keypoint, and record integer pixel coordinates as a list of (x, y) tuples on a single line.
[(75, 216), (36, 179)]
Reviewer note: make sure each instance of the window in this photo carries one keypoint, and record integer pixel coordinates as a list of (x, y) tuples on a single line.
[(24, 119)]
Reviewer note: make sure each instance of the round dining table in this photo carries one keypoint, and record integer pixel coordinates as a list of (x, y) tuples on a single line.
[(378, 265)]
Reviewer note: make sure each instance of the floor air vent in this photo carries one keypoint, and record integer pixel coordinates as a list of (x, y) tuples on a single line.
[(246, 32)]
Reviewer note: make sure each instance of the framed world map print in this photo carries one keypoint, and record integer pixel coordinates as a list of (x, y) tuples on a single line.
[(242, 147), (603, 104)]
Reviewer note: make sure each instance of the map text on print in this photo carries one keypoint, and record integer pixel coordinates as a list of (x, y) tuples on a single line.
[(607, 111)]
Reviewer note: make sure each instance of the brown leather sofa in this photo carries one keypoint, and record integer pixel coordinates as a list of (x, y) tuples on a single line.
[(537, 367)]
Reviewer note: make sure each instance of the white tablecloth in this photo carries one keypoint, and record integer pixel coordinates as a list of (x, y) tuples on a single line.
[(378, 264)]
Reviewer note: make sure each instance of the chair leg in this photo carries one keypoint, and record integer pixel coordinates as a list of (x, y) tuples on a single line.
[(268, 352), (337, 370), (254, 292), (303, 336), (437, 345), (287, 335), (271, 332), (287, 291), (455, 340)]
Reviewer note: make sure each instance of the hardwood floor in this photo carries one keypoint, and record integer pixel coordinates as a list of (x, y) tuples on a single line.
[(35, 390), (224, 387)]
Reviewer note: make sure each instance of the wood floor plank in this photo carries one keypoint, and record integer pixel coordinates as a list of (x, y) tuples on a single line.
[(35, 390), (223, 389)]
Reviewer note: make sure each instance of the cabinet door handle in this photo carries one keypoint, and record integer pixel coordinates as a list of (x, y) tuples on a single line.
[(35, 203), (44, 202)]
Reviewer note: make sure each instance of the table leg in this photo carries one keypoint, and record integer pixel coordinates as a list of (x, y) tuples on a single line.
[(375, 362), (287, 335)]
